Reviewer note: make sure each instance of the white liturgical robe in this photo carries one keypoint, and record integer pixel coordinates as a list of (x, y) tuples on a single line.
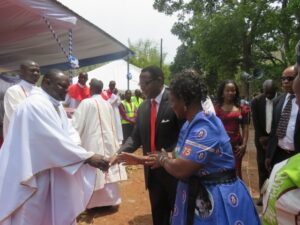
[(94, 121), (12, 98), (43, 178), (115, 101)]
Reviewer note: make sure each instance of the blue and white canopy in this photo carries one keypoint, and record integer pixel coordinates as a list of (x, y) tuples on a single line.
[(49, 33)]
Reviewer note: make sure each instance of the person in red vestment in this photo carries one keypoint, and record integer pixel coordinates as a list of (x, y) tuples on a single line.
[(106, 94), (77, 92), (235, 117)]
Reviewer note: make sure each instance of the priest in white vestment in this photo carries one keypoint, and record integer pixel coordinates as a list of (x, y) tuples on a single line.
[(94, 121), (115, 101), (45, 179), (29, 75)]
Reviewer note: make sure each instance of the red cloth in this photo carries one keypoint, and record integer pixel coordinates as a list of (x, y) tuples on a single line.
[(106, 94), (79, 93), (152, 125), (232, 122)]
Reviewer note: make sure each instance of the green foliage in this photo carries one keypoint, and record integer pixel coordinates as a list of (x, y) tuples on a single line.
[(147, 53), (221, 38)]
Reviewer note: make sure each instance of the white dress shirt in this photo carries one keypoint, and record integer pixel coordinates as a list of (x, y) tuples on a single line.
[(158, 99), (288, 141), (269, 114)]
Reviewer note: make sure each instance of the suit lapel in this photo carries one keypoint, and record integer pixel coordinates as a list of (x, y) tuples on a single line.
[(297, 130), (162, 107), (147, 114), (263, 111), (279, 107)]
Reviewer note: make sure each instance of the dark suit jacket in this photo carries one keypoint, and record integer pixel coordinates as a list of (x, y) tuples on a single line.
[(258, 108), (277, 109), (167, 129)]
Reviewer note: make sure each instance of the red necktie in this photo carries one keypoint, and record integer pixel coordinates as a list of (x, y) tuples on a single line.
[(152, 125)]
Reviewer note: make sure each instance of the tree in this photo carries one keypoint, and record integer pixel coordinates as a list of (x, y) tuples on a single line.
[(226, 37), (147, 53)]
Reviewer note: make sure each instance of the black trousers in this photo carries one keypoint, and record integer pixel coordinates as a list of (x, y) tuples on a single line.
[(127, 129), (263, 173), (162, 193), (281, 154)]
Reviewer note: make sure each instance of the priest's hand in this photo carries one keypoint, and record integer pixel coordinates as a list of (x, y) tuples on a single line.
[(99, 162)]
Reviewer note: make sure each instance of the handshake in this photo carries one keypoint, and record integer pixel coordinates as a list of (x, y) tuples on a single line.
[(154, 160), (102, 163), (99, 162)]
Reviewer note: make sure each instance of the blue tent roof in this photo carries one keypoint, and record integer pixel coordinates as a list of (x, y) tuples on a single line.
[(40, 30)]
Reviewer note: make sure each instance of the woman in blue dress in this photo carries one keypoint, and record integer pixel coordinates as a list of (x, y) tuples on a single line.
[(208, 190)]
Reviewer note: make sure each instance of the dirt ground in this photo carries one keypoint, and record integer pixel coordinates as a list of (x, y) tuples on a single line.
[(135, 206)]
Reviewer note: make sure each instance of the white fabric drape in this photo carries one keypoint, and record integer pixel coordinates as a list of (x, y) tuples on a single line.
[(94, 121), (39, 160), (12, 98)]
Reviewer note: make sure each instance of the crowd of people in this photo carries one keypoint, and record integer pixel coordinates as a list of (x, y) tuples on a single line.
[(55, 163)]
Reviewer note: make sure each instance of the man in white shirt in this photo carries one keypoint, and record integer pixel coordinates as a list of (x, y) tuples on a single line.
[(284, 141), (94, 121), (29, 75), (282, 195), (46, 178), (262, 109), (115, 101), (111, 95)]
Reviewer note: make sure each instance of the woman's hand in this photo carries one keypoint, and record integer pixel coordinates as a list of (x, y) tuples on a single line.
[(131, 159), (157, 159), (240, 151)]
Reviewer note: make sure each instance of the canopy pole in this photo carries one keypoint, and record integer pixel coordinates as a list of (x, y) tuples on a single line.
[(161, 53), (128, 72), (73, 62)]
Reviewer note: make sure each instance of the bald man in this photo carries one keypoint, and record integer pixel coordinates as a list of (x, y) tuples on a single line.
[(106, 94), (77, 92), (262, 108), (283, 145), (29, 75), (46, 178), (282, 195), (96, 116)]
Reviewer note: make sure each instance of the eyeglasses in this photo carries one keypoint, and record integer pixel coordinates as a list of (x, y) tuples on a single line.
[(288, 78), (146, 83)]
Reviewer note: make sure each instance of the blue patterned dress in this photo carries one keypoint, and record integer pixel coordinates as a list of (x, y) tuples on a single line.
[(205, 141)]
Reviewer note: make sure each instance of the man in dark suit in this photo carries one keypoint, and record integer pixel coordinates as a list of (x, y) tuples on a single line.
[(262, 108), (161, 185), (284, 146)]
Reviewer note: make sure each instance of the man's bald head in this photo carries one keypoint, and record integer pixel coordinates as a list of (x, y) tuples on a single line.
[(82, 78), (112, 85), (56, 84), (29, 71), (269, 88), (288, 75), (96, 86)]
